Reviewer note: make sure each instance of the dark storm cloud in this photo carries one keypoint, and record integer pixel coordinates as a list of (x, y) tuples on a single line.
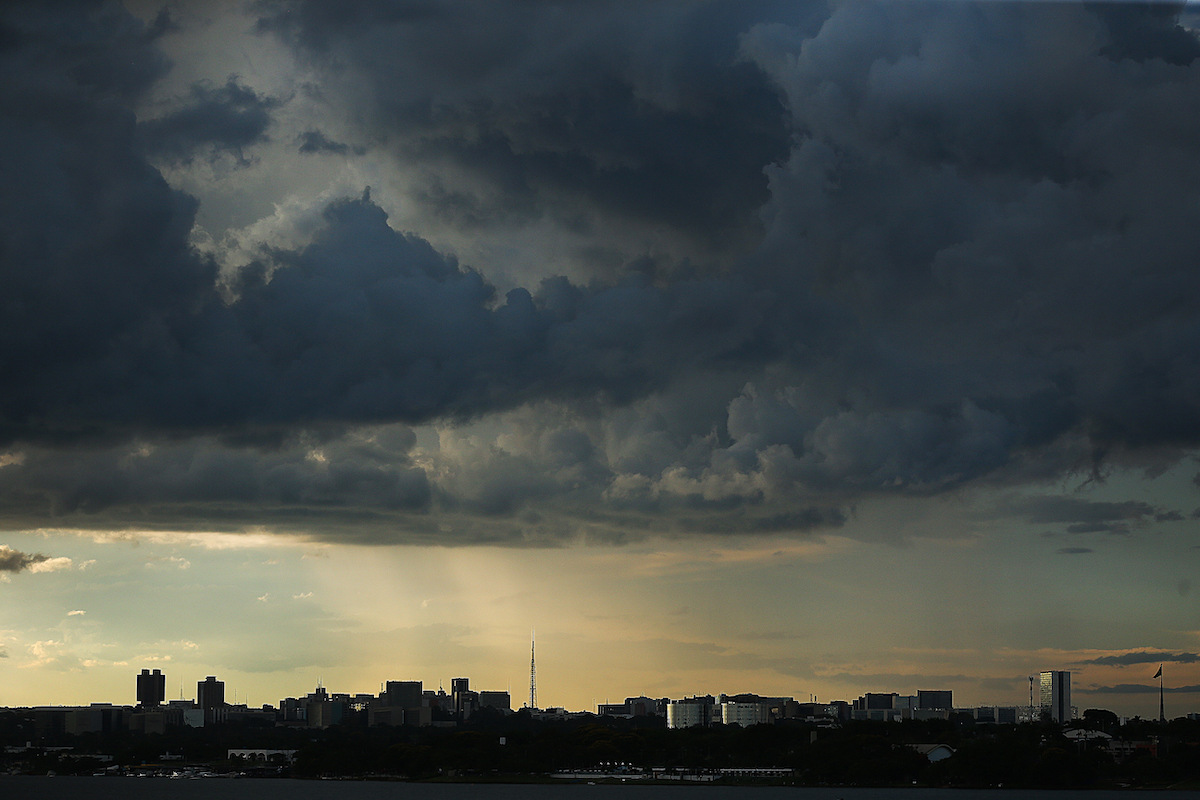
[(1144, 657), (642, 112), (317, 142), (15, 561), (991, 204), (367, 324), (110, 316), (976, 263), (1074, 551), (111, 55), (369, 470), (94, 242), (211, 120), (1147, 31)]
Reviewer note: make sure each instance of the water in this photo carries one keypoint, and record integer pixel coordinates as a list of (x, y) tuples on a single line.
[(70, 788)]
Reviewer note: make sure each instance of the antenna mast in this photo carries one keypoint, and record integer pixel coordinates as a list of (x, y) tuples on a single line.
[(532, 674), (1032, 718)]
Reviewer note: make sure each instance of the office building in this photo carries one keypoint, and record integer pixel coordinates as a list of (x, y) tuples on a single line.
[(635, 707), (746, 714), (403, 694), (935, 699), (1056, 696), (458, 689), (497, 700), (151, 688), (691, 712), (465, 701), (210, 697)]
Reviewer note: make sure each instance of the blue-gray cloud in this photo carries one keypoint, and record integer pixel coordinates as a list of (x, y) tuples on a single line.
[(1144, 657), (210, 120), (317, 142), (1089, 516), (1138, 688)]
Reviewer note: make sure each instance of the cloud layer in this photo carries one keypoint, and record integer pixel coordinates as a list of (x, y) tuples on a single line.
[(865, 250)]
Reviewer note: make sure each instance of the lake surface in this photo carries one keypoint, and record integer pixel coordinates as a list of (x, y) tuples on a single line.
[(31, 788)]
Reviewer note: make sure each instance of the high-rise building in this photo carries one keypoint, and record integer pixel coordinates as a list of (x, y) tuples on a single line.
[(210, 693), (1056, 696), (458, 690), (151, 688)]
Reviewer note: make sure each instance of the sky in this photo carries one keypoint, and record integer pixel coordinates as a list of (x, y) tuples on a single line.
[(799, 348)]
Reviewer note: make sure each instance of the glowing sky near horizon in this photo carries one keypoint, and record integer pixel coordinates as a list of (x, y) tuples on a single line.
[(793, 348)]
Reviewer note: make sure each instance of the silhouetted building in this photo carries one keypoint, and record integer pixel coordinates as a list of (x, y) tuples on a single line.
[(497, 700), (151, 688), (402, 694), (635, 707), (935, 700), (811, 710), (875, 700), (97, 718), (881, 707), (210, 697), (1056, 696), (458, 688), (397, 716)]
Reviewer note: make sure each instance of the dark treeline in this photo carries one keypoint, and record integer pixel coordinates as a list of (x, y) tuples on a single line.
[(857, 753)]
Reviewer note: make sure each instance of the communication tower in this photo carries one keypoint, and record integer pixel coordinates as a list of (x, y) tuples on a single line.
[(532, 674)]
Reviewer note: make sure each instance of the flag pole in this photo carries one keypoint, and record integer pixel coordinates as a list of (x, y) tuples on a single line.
[(1162, 717)]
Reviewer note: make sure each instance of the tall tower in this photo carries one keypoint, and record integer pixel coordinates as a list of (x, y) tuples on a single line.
[(532, 674)]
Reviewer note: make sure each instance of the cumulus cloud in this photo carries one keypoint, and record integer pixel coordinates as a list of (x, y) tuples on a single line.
[(50, 654), (15, 561)]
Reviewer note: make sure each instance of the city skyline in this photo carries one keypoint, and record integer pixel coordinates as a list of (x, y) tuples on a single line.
[(796, 348), (1050, 694)]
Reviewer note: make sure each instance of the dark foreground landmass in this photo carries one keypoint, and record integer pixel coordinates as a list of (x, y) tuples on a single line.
[(518, 748)]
